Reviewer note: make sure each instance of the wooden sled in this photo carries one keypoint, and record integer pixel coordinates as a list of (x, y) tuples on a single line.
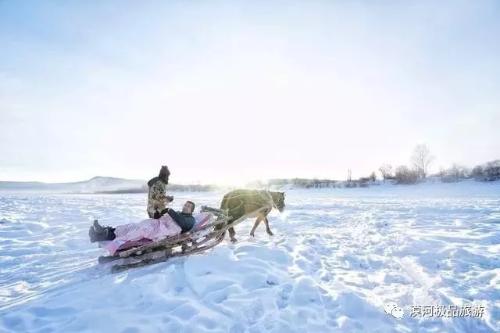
[(192, 242)]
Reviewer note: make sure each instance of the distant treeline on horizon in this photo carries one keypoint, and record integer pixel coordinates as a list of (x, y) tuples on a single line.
[(489, 171)]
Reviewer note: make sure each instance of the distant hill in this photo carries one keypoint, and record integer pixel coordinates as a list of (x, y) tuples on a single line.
[(96, 184), (104, 185)]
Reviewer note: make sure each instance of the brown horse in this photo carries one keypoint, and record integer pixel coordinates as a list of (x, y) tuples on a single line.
[(252, 203)]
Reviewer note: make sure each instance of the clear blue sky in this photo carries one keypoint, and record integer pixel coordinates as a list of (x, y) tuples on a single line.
[(230, 91)]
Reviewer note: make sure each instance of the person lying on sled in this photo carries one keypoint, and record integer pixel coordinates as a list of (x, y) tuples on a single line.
[(184, 220)]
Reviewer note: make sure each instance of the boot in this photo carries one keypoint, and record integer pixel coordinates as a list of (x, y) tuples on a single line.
[(98, 233), (97, 226), (96, 236)]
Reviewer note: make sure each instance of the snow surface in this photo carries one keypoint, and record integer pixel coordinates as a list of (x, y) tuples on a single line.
[(337, 257)]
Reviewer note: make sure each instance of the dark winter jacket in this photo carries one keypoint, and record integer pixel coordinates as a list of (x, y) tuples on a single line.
[(185, 221)]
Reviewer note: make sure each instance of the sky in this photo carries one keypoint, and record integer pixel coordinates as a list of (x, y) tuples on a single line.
[(233, 91)]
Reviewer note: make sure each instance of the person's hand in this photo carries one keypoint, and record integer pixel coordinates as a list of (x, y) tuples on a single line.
[(170, 198)]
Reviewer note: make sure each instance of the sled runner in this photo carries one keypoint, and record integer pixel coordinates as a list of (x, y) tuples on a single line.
[(197, 240)]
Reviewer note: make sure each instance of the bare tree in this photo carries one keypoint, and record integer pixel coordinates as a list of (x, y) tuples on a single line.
[(405, 175), (421, 159), (487, 172), (386, 171), (454, 174)]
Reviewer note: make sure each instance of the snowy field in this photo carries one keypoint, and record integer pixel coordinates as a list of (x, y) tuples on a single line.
[(336, 258)]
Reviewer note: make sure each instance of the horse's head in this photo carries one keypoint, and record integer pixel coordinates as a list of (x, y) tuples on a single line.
[(279, 200)]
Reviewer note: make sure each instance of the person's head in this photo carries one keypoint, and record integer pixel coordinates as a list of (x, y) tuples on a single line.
[(188, 207), (164, 173)]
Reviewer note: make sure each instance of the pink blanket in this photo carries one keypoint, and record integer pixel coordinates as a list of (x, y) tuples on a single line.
[(136, 234)]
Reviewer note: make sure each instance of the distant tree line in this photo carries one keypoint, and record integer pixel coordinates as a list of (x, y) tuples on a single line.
[(487, 172), (421, 160), (303, 182), (454, 174), (318, 183)]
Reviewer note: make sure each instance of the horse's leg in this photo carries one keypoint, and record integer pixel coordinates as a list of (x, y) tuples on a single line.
[(268, 230), (255, 225), (231, 234)]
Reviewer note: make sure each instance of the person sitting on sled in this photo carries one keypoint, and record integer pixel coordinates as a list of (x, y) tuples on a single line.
[(157, 198), (183, 219)]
